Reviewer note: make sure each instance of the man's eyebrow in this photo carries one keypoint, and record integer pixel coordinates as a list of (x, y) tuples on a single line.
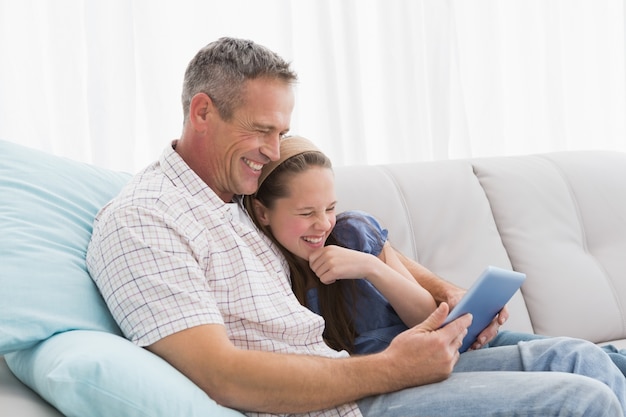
[(262, 126)]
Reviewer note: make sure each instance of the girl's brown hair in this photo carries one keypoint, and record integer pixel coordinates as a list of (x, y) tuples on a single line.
[(339, 332)]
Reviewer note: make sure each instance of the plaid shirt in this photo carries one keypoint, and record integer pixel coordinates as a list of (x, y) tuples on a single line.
[(168, 254)]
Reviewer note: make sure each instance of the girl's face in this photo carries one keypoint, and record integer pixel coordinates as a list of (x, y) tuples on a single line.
[(302, 221)]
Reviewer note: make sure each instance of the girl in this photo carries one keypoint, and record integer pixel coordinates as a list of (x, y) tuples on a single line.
[(341, 268)]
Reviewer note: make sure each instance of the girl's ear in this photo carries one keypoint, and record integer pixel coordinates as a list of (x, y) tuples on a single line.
[(260, 212)]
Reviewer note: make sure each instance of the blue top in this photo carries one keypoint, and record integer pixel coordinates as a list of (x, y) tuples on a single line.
[(376, 322)]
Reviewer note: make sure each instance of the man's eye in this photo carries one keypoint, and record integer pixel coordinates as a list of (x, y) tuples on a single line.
[(330, 209), (307, 214)]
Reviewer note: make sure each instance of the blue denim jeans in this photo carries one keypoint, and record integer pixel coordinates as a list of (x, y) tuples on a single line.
[(507, 338), (544, 377)]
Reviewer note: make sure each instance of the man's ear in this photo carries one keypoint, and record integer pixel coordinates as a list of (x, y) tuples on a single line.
[(200, 109), (260, 212)]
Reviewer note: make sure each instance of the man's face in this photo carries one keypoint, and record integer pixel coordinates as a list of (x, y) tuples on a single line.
[(242, 145)]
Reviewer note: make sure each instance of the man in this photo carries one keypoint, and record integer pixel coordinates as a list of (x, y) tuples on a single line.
[(186, 276)]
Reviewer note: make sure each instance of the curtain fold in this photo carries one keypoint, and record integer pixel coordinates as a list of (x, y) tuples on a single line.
[(380, 81)]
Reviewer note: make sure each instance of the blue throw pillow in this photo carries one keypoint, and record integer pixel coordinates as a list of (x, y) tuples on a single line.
[(47, 207), (96, 374), (56, 332)]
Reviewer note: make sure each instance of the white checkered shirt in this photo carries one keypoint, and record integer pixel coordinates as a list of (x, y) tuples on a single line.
[(167, 254)]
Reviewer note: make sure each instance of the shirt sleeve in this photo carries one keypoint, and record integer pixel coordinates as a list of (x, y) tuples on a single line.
[(149, 275), (360, 231)]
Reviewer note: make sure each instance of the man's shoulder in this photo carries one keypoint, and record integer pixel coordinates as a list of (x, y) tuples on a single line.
[(144, 189), (147, 193), (166, 180)]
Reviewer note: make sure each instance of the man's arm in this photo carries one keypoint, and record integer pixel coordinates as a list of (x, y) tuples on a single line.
[(285, 383), (441, 290), (444, 291)]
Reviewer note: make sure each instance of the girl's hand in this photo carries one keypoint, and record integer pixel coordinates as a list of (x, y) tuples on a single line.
[(331, 263)]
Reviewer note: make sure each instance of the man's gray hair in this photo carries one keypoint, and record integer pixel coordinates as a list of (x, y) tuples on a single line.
[(221, 69)]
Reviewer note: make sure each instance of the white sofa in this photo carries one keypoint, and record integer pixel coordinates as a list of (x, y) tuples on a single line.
[(558, 217)]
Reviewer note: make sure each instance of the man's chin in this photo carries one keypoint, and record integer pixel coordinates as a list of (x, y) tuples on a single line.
[(249, 190)]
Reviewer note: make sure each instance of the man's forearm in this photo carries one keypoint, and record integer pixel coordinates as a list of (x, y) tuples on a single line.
[(297, 383), (440, 289), (274, 382), (291, 383)]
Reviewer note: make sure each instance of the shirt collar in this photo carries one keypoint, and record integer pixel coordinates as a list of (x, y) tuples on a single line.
[(181, 175)]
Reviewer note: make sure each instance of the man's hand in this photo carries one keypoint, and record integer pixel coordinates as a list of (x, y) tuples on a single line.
[(428, 350), (492, 330), (455, 295), (444, 291)]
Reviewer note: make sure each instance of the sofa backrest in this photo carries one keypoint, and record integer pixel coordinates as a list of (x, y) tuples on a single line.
[(559, 217)]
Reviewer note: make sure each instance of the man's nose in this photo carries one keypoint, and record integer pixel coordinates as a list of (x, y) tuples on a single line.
[(271, 147)]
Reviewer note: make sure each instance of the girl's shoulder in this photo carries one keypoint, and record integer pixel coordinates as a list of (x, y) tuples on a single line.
[(359, 230)]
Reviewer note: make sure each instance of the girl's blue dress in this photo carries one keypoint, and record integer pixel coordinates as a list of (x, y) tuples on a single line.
[(375, 321)]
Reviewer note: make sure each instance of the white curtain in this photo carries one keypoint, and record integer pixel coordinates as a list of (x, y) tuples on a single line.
[(381, 81)]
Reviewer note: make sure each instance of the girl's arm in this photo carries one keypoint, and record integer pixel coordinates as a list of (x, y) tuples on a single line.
[(441, 290), (409, 299)]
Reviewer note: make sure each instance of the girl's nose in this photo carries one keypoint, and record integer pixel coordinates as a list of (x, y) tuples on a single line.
[(323, 222)]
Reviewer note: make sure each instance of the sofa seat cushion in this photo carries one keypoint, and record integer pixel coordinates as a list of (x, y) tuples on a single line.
[(17, 400)]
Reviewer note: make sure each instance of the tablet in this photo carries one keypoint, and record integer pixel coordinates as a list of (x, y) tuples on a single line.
[(493, 289)]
